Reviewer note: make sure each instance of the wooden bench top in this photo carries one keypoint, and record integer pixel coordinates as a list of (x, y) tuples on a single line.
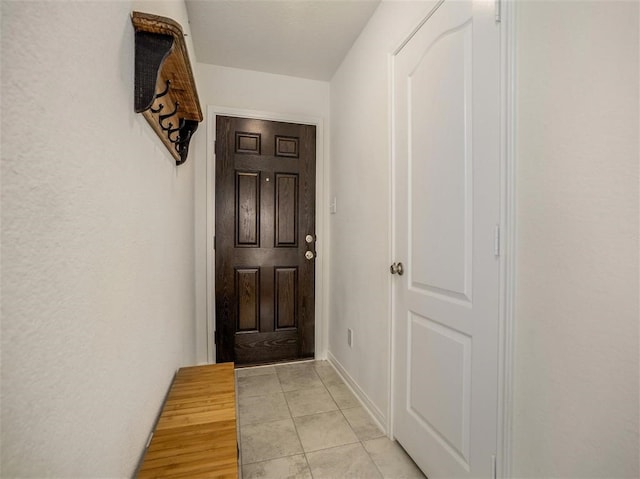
[(195, 436)]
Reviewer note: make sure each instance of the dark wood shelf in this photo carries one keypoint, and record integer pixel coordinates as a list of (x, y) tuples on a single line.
[(165, 91)]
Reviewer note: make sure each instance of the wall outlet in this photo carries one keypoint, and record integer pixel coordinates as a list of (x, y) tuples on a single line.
[(350, 337)]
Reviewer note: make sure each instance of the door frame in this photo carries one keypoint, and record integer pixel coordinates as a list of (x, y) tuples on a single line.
[(321, 289), (508, 246)]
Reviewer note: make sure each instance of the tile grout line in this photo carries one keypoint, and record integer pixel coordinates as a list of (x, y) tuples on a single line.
[(275, 373), (295, 427), (325, 384), (361, 442)]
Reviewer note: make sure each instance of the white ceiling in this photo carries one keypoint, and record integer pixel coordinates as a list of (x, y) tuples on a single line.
[(302, 38)]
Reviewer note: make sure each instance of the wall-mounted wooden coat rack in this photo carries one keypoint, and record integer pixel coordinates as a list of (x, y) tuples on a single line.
[(165, 91)]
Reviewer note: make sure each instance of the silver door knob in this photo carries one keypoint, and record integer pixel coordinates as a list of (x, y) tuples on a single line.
[(309, 255), (397, 268), (309, 239)]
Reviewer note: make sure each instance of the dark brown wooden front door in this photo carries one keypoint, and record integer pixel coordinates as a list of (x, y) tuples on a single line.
[(265, 240)]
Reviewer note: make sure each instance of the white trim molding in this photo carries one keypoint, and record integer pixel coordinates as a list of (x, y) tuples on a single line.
[(508, 225), (366, 402), (321, 288), (392, 242)]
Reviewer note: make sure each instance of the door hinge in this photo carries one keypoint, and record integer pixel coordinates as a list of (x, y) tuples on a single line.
[(214, 242), (215, 337), (496, 241), (494, 468), (498, 11)]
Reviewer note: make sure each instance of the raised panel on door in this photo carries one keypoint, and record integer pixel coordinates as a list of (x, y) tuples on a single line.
[(441, 166), (287, 146), (248, 143), (439, 383), (286, 285), (447, 197), (286, 210), (247, 282), (265, 206), (247, 212)]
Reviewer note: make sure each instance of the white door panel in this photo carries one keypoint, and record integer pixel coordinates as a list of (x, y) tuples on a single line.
[(439, 397), (446, 160), (440, 165)]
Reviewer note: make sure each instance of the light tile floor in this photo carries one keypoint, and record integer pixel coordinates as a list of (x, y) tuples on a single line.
[(299, 420)]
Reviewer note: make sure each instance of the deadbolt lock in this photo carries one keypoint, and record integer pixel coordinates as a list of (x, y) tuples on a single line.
[(308, 239)]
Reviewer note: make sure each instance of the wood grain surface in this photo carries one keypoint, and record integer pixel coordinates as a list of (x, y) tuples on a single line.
[(265, 210), (195, 436)]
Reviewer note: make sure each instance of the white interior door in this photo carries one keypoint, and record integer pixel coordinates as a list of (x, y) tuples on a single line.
[(446, 214)]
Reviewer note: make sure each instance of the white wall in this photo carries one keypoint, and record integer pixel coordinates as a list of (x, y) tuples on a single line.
[(97, 247), (576, 374), (238, 89), (360, 230)]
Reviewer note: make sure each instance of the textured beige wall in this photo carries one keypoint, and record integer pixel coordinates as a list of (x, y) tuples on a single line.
[(576, 376), (360, 230), (97, 247)]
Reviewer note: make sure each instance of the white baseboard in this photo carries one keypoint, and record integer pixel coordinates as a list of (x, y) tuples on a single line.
[(367, 404)]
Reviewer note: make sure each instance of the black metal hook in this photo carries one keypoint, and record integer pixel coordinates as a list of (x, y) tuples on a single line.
[(183, 141), (161, 118), (157, 110), (160, 95), (182, 145), (174, 130), (166, 90)]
